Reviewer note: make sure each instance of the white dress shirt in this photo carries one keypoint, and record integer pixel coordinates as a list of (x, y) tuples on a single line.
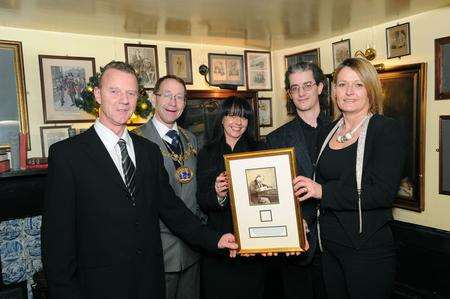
[(110, 139), (162, 129)]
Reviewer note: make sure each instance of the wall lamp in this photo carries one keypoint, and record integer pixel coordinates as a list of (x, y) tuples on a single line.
[(368, 54)]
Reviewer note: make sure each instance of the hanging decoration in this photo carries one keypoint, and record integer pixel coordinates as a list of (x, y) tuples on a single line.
[(87, 100)]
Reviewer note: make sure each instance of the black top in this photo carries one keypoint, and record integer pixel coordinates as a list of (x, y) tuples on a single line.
[(384, 157), (311, 134), (333, 162), (210, 163)]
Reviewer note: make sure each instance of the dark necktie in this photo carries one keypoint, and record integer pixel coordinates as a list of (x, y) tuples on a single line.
[(176, 142), (128, 167)]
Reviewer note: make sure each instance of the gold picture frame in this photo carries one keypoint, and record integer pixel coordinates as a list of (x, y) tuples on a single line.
[(266, 214)]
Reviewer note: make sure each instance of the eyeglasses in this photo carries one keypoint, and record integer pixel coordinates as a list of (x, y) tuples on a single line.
[(168, 96), (307, 86)]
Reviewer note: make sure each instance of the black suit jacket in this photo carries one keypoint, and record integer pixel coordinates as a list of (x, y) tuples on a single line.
[(384, 158), (96, 242), (291, 135)]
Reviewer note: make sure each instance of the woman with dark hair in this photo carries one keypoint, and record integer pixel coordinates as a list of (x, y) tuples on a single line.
[(221, 276), (358, 173)]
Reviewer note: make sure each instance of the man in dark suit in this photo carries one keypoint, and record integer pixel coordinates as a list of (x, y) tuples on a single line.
[(304, 81), (179, 149), (106, 190)]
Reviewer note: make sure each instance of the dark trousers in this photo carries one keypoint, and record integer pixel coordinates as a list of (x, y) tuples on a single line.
[(305, 282), (365, 273)]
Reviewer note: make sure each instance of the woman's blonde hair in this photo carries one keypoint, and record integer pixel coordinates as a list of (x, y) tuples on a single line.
[(369, 76)]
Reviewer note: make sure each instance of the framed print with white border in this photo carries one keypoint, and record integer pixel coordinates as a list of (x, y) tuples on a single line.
[(258, 70), (266, 214), (50, 135)]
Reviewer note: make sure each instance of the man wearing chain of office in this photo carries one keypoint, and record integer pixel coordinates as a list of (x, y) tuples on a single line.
[(179, 149)]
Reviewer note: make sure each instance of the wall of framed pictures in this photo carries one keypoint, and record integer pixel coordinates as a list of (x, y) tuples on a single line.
[(420, 48)]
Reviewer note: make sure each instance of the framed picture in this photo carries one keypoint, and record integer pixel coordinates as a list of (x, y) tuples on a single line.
[(265, 112), (144, 60), (179, 63), (266, 214), (63, 78), (202, 110), (226, 69), (398, 42), (50, 135), (405, 100), (341, 51), (309, 56), (444, 154), (14, 114), (258, 68), (442, 68)]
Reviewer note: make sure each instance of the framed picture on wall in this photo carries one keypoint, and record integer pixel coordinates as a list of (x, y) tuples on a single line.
[(226, 69), (309, 56), (266, 214), (398, 41), (63, 78), (444, 154), (405, 100), (13, 115), (341, 51), (258, 70), (50, 135), (179, 63), (144, 60), (265, 112), (442, 68)]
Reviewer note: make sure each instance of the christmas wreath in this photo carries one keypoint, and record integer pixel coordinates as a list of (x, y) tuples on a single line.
[(88, 103)]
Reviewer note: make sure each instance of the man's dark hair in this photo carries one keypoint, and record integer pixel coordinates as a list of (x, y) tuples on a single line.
[(318, 75), (120, 66), (166, 77)]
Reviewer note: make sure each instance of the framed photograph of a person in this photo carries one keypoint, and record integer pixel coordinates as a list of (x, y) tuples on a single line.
[(341, 51), (265, 112), (50, 135), (179, 63), (226, 69), (309, 56), (398, 41), (258, 68), (63, 78), (144, 60), (266, 214)]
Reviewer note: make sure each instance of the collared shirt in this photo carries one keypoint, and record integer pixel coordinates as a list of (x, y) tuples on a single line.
[(311, 134), (110, 139), (162, 129)]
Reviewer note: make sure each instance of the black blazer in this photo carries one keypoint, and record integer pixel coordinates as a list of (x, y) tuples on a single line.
[(96, 242), (291, 135), (383, 163)]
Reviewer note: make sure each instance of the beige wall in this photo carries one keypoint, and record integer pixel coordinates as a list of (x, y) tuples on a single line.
[(424, 29), (104, 49)]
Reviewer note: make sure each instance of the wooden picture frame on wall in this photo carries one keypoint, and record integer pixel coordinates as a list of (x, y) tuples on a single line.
[(309, 56), (444, 154), (442, 68), (265, 112), (226, 69), (144, 60), (12, 93), (398, 41), (258, 68), (63, 78), (179, 63), (404, 88)]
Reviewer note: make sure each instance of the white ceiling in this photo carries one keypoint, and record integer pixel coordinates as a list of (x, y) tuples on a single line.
[(265, 24)]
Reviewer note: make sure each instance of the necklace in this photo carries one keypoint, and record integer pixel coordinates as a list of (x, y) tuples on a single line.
[(349, 135), (183, 174)]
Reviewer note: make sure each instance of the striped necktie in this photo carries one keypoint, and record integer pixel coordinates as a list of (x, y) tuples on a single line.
[(128, 167), (176, 146)]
